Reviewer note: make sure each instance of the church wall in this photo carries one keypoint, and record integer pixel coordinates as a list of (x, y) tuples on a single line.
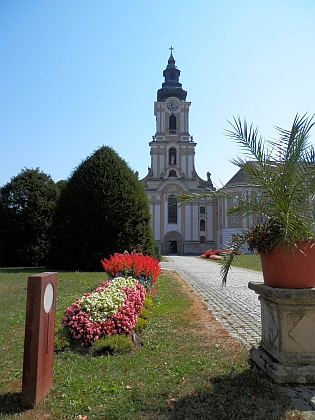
[(160, 165), (154, 165), (209, 224), (156, 217), (182, 126), (185, 234), (161, 220), (162, 122), (190, 165), (195, 223), (188, 216)]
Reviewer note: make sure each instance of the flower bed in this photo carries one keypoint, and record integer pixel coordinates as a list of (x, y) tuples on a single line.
[(114, 306), (143, 267), (214, 253), (217, 254)]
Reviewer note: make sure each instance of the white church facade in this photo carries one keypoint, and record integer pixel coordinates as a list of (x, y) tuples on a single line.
[(190, 228), (200, 224)]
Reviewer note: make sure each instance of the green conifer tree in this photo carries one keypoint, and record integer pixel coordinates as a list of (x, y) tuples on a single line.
[(103, 209)]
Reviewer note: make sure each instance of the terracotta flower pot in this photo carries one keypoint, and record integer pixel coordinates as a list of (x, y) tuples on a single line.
[(290, 270)]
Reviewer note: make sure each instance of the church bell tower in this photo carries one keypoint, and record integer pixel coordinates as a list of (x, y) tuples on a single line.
[(172, 171)]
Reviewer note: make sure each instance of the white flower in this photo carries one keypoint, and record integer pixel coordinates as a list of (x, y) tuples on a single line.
[(104, 304)]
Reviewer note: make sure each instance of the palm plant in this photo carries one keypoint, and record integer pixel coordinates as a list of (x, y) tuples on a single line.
[(282, 172)]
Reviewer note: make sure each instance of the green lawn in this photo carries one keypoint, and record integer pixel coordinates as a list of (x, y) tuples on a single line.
[(250, 261), (179, 372)]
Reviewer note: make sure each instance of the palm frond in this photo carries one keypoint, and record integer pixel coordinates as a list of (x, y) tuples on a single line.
[(233, 246)]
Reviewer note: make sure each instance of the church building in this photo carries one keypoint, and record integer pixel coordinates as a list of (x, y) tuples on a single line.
[(190, 228)]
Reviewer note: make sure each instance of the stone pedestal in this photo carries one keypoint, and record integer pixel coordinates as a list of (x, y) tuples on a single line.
[(287, 349)]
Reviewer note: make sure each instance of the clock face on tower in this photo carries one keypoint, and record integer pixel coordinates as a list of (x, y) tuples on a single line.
[(172, 105)]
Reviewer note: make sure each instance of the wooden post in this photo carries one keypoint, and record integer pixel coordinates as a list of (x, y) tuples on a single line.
[(39, 338)]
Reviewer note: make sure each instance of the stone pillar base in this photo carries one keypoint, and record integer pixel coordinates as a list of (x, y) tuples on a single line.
[(282, 373), (287, 348)]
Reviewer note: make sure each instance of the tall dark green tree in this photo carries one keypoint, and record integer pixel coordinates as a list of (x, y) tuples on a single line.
[(27, 204), (103, 209)]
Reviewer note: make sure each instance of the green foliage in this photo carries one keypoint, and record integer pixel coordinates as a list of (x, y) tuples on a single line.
[(282, 173), (145, 313), (148, 302), (279, 186), (27, 204), (141, 324), (112, 344), (62, 340), (103, 209)]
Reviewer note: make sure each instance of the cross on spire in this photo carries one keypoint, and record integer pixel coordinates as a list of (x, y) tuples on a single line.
[(171, 50)]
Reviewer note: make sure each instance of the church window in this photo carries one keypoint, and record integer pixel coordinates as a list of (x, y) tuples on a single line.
[(234, 218), (172, 124), (202, 225), (202, 239), (172, 156), (172, 209), (202, 210), (172, 174)]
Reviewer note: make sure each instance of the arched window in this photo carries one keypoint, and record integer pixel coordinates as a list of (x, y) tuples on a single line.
[(202, 225), (172, 124), (172, 174), (172, 156), (172, 209)]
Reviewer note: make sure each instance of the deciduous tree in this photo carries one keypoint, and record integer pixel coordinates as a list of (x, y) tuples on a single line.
[(27, 204)]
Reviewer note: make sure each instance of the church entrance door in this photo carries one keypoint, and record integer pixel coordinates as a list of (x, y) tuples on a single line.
[(173, 247)]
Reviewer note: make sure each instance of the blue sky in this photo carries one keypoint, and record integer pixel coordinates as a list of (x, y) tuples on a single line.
[(76, 75)]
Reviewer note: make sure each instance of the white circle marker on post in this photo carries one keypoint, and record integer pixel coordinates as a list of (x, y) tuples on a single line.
[(48, 297)]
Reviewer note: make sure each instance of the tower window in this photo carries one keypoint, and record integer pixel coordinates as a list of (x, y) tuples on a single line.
[(172, 209), (172, 156), (202, 225), (172, 124)]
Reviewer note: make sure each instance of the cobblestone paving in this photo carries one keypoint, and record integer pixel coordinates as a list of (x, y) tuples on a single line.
[(237, 308), (234, 305)]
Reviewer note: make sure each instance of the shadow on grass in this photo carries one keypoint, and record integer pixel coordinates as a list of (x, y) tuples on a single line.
[(24, 270), (249, 395), (11, 403)]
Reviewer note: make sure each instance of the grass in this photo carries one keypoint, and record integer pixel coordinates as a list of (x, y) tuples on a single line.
[(249, 261), (187, 367)]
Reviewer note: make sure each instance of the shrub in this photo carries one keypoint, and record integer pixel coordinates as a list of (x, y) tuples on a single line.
[(141, 324), (62, 340), (145, 313), (112, 344), (103, 209), (148, 302), (27, 205)]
